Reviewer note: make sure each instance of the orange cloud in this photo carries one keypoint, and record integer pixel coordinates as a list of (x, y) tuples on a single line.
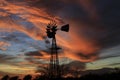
[(3, 45), (73, 44)]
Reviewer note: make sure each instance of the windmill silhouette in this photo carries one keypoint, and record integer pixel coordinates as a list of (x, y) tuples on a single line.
[(54, 69)]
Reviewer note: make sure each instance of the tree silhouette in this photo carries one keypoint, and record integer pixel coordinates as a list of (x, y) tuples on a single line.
[(27, 77), (114, 74), (6, 77), (14, 78)]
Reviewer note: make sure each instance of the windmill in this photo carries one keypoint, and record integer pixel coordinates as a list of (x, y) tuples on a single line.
[(54, 70)]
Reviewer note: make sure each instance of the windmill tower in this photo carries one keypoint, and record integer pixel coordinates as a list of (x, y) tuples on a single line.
[(54, 70)]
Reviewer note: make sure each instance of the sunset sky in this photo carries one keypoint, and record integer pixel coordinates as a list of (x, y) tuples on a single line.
[(93, 41)]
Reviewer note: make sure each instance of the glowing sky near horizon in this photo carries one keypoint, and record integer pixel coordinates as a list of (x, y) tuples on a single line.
[(93, 39)]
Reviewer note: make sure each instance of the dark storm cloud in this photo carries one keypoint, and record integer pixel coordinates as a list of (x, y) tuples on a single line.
[(35, 57), (107, 26), (6, 58), (70, 9), (42, 54), (75, 65), (105, 31), (109, 11), (35, 53), (87, 56), (103, 28)]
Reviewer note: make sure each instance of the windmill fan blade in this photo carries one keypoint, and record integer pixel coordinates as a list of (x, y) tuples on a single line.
[(65, 28)]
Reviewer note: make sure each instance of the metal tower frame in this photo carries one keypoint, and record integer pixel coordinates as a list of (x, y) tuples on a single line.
[(54, 70), (54, 61)]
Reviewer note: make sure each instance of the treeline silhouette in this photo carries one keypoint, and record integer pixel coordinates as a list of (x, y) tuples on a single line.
[(107, 76)]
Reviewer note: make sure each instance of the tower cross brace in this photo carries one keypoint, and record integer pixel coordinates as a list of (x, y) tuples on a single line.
[(54, 70)]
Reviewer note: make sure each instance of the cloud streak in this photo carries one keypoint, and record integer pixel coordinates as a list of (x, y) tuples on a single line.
[(94, 26)]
